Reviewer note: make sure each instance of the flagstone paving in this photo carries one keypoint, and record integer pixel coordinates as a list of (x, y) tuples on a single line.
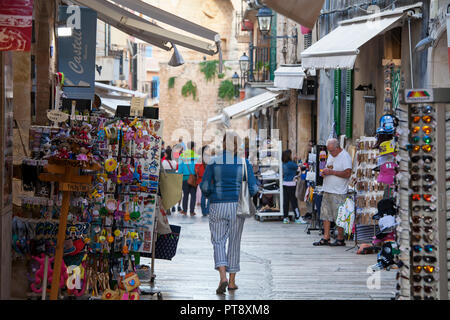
[(278, 262)]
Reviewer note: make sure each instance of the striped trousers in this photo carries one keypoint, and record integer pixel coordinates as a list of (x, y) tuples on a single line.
[(225, 225)]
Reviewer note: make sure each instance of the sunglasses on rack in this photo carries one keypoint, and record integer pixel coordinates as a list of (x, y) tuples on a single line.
[(426, 289), (426, 169), (425, 129), (425, 197), (427, 279), (427, 269), (427, 220), (426, 238), (426, 159), (424, 109), (417, 229), (425, 119), (424, 208), (426, 177), (426, 248), (426, 259), (425, 188), (426, 147), (427, 139)]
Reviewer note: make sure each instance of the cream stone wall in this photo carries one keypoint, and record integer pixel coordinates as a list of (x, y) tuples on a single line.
[(180, 114), (184, 116)]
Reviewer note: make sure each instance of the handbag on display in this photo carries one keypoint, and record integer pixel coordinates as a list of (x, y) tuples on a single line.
[(170, 186), (245, 207), (166, 244)]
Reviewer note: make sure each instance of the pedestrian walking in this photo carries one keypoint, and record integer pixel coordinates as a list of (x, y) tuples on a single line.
[(169, 165), (186, 166), (336, 176), (290, 170), (199, 171), (221, 184)]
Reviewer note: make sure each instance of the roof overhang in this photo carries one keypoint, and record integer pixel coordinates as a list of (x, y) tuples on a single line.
[(138, 27), (339, 48)]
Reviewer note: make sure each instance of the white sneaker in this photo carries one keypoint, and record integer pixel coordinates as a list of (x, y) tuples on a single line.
[(300, 221), (286, 220)]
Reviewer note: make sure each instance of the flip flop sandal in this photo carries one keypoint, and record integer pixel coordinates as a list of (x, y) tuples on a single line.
[(338, 243), (322, 242), (222, 287)]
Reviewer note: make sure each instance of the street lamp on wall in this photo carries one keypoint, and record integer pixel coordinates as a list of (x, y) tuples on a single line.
[(264, 16), (235, 80), (244, 65)]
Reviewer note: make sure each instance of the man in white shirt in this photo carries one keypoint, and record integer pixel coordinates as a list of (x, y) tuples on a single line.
[(336, 177)]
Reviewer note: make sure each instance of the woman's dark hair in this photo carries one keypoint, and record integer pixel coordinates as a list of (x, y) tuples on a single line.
[(168, 152), (203, 153), (191, 145), (287, 156)]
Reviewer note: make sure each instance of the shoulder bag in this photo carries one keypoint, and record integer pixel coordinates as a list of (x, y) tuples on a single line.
[(192, 181), (245, 208)]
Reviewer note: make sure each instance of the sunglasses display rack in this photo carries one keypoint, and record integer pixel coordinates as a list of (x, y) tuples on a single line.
[(423, 228), (111, 214), (364, 180)]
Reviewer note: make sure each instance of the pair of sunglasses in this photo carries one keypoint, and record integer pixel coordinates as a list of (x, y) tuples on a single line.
[(426, 289), (427, 279), (425, 119), (417, 229), (426, 197), (427, 220), (426, 169), (426, 177), (426, 268), (426, 129), (426, 139), (426, 238), (427, 259), (425, 188), (425, 298), (426, 159), (426, 248), (424, 109), (426, 147), (424, 208)]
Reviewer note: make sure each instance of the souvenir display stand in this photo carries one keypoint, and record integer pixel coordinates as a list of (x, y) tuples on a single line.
[(89, 214), (271, 176), (316, 163), (423, 221)]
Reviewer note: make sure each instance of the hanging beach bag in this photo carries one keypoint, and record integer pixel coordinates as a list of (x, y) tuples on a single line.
[(166, 244), (346, 216), (245, 207), (170, 186)]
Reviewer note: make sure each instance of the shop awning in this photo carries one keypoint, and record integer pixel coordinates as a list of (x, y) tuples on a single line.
[(138, 27), (289, 77), (339, 48), (99, 85), (247, 106), (305, 12)]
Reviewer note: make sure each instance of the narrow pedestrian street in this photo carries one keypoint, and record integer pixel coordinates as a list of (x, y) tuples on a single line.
[(278, 262)]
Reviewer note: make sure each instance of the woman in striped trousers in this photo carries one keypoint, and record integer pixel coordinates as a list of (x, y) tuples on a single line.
[(221, 184)]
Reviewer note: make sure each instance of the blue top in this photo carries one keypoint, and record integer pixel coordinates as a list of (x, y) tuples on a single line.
[(186, 165), (223, 179), (289, 170)]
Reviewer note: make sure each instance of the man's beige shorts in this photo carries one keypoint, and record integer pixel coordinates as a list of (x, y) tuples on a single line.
[(330, 206)]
